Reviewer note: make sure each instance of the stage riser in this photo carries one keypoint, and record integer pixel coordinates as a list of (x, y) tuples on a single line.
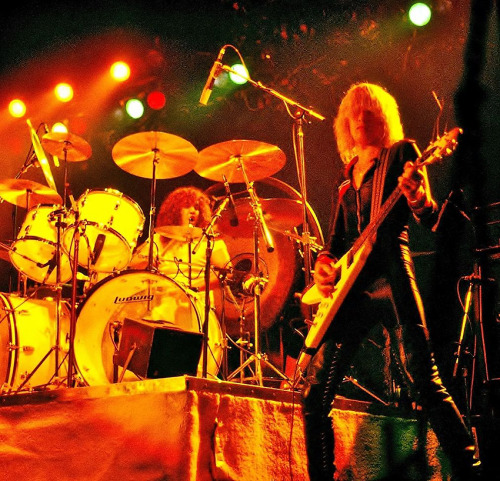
[(190, 429)]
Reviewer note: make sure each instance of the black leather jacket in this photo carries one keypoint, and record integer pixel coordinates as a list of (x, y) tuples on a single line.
[(352, 214)]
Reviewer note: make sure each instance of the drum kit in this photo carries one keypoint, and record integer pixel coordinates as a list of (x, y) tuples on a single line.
[(73, 341)]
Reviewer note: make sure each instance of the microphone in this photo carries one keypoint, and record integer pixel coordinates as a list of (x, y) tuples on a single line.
[(98, 246), (214, 73), (233, 221)]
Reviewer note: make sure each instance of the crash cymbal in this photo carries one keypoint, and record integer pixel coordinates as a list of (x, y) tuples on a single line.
[(280, 215), (174, 155), (67, 146), (22, 191), (228, 159), (183, 233)]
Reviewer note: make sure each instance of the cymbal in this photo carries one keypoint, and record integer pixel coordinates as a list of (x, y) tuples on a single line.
[(258, 160), (67, 146), (21, 191), (183, 233), (280, 215), (174, 155)]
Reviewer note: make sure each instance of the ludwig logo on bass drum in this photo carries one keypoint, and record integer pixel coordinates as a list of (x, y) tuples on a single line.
[(124, 300)]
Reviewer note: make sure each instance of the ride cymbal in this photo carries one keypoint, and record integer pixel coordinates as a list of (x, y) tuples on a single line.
[(27, 193), (229, 159), (67, 146), (174, 156)]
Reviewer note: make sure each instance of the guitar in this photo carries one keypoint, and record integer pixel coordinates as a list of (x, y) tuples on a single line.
[(351, 263)]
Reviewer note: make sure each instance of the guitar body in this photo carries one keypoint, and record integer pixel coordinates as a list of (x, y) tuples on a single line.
[(348, 268)]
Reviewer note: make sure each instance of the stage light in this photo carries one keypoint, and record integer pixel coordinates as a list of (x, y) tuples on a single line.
[(63, 92), (156, 100), (419, 14), (241, 77), (120, 71), (134, 108), (17, 108), (59, 127)]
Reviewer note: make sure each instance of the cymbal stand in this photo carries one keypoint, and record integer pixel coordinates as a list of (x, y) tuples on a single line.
[(74, 275), (152, 210), (256, 285)]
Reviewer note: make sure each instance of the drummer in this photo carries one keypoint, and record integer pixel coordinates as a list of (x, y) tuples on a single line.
[(177, 250)]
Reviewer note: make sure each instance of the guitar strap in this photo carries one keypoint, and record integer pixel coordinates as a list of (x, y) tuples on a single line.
[(378, 182)]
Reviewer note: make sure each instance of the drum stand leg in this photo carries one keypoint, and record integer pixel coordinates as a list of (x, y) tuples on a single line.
[(35, 369), (54, 263)]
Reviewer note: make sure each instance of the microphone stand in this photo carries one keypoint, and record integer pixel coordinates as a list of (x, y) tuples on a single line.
[(298, 141), (208, 233)]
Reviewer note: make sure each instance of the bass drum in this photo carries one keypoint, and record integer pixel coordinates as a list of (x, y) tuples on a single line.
[(136, 294), (28, 333), (282, 268)]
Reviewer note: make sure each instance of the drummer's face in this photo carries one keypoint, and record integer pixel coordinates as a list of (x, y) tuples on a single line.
[(189, 215)]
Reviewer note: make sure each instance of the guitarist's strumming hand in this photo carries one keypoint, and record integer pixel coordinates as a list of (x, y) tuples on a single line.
[(414, 185), (325, 275)]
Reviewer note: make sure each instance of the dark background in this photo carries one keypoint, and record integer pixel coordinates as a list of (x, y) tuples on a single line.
[(310, 52)]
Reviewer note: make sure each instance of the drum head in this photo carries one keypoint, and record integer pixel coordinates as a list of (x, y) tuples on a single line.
[(137, 295)]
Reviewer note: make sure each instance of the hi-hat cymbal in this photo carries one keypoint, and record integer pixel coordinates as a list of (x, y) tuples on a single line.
[(27, 193), (67, 146), (183, 233), (136, 153), (280, 215), (229, 159)]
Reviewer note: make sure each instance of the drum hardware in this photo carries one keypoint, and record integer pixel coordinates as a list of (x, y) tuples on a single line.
[(208, 232), (154, 155), (138, 295), (255, 282), (27, 328), (299, 117), (110, 224)]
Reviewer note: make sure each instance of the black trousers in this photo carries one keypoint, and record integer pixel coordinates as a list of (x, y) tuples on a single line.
[(330, 364)]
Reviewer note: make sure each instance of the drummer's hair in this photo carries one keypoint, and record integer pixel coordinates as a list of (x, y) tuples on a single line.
[(170, 209), (371, 97)]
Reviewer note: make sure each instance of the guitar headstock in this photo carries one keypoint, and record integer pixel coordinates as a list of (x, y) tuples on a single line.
[(442, 147)]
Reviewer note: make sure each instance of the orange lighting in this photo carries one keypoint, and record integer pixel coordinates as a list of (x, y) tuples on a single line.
[(63, 92), (120, 71), (17, 108)]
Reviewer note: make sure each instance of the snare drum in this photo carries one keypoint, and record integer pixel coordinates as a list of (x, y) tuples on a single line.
[(136, 295), (34, 251), (110, 225), (28, 333)]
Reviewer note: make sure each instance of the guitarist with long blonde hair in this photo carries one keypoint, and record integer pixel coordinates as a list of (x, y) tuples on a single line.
[(379, 164)]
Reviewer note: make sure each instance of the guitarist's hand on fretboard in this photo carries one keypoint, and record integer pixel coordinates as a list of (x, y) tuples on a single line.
[(415, 186), (325, 275)]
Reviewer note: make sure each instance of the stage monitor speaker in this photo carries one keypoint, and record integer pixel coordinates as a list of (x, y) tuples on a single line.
[(154, 349)]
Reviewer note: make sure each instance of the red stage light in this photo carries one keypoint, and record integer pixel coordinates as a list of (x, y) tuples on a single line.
[(156, 100)]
